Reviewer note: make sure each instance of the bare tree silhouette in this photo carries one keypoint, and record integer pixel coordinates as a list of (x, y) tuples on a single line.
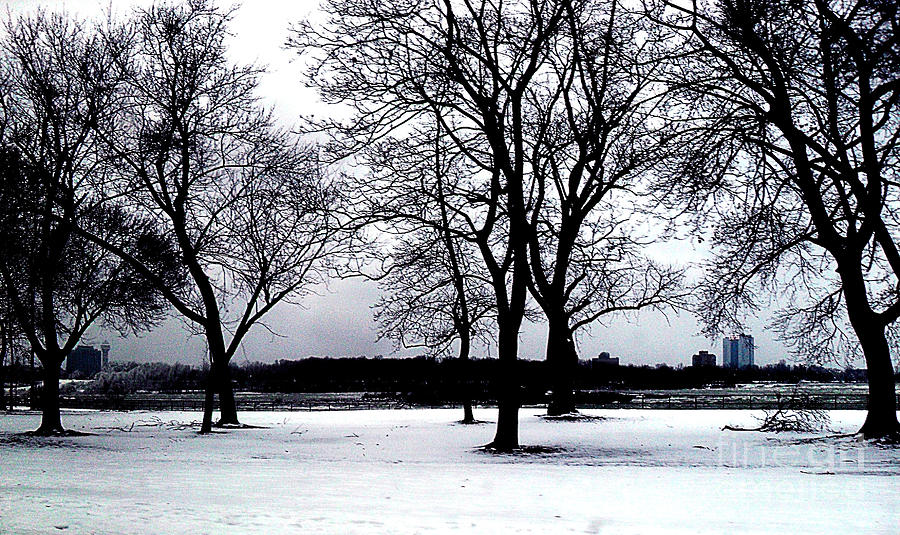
[(471, 65), (56, 86), (249, 206), (435, 291), (791, 118), (549, 103), (593, 140)]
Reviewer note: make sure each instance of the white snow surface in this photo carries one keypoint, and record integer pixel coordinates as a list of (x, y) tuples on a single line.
[(417, 471)]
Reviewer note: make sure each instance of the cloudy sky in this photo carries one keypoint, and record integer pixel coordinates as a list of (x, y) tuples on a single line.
[(338, 321)]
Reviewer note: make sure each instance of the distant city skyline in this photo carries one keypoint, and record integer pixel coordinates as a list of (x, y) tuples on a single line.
[(340, 324)]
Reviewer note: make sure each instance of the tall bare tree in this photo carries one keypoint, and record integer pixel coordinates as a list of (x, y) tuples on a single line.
[(56, 87), (792, 108), (435, 292), (470, 64), (432, 299), (8, 333), (249, 207), (593, 142)]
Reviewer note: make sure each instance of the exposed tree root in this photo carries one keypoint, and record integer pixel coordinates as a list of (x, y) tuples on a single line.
[(521, 450), (888, 431), (813, 440), (471, 422), (122, 428), (56, 433), (239, 426), (570, 417), (734, 428), (890, 439)]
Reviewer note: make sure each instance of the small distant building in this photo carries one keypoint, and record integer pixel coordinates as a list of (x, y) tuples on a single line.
[(703, 359), (737, 351), (84, 359), (605, 360)]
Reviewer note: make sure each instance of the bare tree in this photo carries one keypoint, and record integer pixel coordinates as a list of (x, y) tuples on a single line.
[(249, 207), (56, 75), (432, 300), (435, 291), (592, 142), (7, 334), (470, 64), (793, 120)]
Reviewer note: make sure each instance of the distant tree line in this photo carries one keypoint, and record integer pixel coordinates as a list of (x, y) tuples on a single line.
[(446, 379), (120, 379), (431, 380)]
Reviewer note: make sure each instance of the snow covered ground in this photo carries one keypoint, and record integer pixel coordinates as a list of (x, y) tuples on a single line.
[(416, 471)]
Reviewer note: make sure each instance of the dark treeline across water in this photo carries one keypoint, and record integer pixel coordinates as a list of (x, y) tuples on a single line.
[(427, 380)]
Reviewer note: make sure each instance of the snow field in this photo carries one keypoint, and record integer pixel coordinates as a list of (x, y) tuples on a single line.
[(416, 471)]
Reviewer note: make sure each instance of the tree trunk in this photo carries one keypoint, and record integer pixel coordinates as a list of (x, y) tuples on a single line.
[(209, 397), (468, 415), (32, 392), (227, 406), (881, 420), (50, 419), (464, 349), (2, 387), (3, 368), (507, 437), (563, 362)]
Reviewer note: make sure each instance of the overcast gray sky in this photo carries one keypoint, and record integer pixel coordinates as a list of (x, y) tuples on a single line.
[(338, 321)]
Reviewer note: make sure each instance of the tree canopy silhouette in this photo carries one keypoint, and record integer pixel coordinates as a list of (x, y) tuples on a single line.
[(791, 114)]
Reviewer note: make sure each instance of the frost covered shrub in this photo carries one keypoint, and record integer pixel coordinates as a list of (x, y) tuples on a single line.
[(129, 378)]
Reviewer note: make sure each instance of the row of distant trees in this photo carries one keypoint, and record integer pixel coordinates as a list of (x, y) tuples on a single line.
[(496, 161), (431, 380)]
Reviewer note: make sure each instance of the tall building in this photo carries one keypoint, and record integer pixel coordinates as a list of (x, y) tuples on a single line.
[(104, 350), (737, 351), (84, 359)]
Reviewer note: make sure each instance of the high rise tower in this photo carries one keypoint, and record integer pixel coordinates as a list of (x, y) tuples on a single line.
[(737, 351), (104, 349)]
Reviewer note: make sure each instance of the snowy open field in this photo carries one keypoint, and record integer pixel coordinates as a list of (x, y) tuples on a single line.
[(415, 471)]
